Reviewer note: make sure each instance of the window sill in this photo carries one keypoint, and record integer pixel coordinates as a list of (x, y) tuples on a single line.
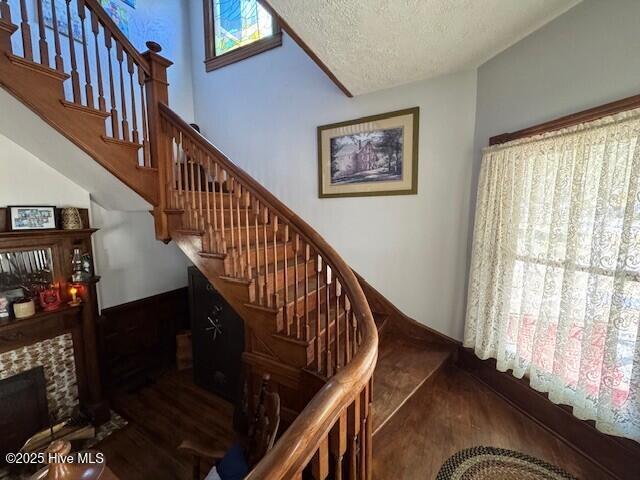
[(243, 53)]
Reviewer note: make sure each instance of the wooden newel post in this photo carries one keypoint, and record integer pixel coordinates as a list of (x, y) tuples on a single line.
[(157, 90)]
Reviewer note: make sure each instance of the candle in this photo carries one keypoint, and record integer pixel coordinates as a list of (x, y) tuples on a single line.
[(73, 291)]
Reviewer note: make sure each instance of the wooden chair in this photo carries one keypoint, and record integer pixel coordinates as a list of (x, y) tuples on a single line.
[(259, 440)]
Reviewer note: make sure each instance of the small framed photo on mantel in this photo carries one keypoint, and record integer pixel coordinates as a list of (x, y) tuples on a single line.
[(376, 155), (23, 218)]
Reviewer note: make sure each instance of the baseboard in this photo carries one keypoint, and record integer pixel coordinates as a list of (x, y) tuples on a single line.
[(618, 457)]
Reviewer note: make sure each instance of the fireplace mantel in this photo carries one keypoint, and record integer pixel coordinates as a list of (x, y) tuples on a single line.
[(79, 321), (19, 333)]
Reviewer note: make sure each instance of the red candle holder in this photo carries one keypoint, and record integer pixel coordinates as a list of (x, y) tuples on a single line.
[(50, 298)]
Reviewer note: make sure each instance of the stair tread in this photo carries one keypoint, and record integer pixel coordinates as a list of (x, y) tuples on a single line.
[(404, 365)]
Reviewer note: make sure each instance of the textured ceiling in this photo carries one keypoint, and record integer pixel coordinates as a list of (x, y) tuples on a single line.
[(373, 44)]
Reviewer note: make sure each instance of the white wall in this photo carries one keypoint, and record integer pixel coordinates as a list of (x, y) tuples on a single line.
[(167, 23), (263, 112), (132, 263), (25, 180)]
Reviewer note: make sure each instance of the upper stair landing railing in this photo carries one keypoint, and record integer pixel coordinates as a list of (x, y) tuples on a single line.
[(103, 72)]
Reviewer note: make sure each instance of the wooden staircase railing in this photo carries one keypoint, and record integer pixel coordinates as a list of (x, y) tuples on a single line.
[(291, 271), (297, 295)]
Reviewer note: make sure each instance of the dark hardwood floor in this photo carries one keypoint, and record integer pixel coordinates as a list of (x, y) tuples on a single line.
[(446, 414), (453, 412), (160, 416)]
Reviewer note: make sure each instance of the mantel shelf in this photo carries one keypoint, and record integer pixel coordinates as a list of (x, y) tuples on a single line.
[(40, 316), (47, 233)]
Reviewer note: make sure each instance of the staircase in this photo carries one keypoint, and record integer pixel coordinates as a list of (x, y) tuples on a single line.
[(307, 320)]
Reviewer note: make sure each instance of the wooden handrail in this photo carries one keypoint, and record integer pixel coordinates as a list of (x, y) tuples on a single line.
[(116, 33), (298, 445)]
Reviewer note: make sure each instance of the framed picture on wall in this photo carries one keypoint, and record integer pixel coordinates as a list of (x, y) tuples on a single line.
[(31, 218), (376, 155)]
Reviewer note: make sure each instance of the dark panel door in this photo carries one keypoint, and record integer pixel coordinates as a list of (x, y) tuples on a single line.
[(218, 339)]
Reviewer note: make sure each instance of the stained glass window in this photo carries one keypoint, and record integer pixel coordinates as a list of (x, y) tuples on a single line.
[(238, 23)]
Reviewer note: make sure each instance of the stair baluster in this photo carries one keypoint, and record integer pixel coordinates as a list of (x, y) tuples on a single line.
[(88, 88), (296, 280), (25, 29), (223, 232), (43, 46), (247, 228), (328, 280), (197, 156), (274, 226), (320, 461), (115, 128), (215, 227), (307, 325), (135, 136), (242, 273), (95, 28), (287, 320), (179, 170), (338, 445), (75, 77), (318, 344), (259, 288), (123, 100), (265, 248), (209, 227), (347, 328), (5, 11), (336, 340), (146, 155)]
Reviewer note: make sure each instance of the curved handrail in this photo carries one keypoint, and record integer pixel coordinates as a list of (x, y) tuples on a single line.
[(298, 444)]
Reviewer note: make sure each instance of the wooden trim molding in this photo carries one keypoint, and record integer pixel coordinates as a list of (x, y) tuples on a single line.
[(589, 115), (618, 457), (242, 53), (214, 61), (301, 43)]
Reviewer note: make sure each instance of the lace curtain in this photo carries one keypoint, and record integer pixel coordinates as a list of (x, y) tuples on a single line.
[(554, 292)]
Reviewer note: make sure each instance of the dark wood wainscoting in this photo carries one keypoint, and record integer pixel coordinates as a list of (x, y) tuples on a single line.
[(618, 456), (138, 339)]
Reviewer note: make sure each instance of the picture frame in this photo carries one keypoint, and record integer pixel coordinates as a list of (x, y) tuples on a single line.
[(31, 217), (369, 156)]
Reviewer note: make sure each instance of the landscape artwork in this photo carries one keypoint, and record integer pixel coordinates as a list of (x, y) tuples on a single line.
[(367, 157), (374, 155)]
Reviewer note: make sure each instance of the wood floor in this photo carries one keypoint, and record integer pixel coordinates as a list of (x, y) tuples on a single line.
[(454, 412), (446, 413), (160, 416)]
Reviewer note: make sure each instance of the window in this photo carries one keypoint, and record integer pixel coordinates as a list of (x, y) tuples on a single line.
[(237, 29), (554, 292)]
